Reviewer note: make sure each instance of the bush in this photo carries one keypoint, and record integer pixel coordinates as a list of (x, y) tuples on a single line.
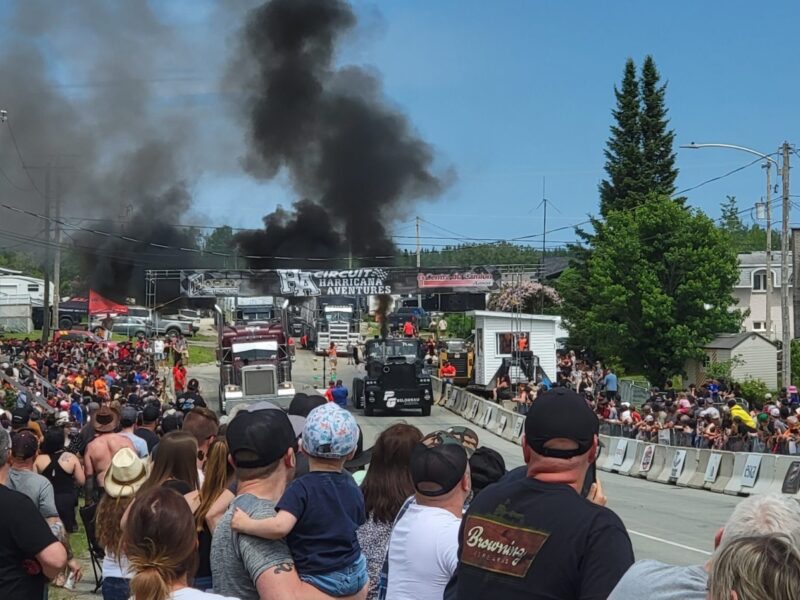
[(753, 390), (459, 325)]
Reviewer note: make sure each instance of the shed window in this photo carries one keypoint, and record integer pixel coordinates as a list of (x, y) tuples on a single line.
[(33, 287)]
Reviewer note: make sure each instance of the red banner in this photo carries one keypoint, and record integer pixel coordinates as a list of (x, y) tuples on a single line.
[(101, 305)]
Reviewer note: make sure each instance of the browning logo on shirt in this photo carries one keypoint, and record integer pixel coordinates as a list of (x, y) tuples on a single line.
[(499, 547)]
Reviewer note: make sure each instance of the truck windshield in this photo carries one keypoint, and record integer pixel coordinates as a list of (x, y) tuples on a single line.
[(380, 350), (257, 315), (256, 355), (456, 346), (338, 316)]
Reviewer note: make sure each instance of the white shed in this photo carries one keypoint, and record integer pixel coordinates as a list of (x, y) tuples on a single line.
[(23, 286), (497, 333), (758, 357)]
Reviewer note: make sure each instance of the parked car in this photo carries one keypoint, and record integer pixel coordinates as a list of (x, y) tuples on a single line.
[(127, 325), (87, 338), (172, 325)]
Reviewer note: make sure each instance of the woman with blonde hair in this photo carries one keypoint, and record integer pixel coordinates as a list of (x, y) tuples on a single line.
[(162, 547), (765, 567), (123, 479)]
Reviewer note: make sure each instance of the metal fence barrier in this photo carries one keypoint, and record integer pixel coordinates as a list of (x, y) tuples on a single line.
[(673, 437)]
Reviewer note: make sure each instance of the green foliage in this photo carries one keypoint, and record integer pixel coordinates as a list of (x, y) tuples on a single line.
[(743, 238), (722, 371), (659, 283), (795, 360), (466, 255), (658, 159), (459, 325), (753, 390), (9, 399)]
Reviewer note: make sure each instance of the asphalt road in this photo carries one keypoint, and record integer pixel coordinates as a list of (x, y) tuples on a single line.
[(668, 523)]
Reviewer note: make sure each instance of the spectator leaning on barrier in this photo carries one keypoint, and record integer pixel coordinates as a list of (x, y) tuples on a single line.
[(533, 536), (756, 515)]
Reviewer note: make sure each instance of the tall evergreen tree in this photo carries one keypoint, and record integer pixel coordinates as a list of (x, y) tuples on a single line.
[(658, 159), (624, 187)]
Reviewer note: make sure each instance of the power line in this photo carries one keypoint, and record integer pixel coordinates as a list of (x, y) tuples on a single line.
[(21, 160)]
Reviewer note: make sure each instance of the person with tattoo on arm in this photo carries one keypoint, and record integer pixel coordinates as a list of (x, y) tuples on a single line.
[(262, 446)]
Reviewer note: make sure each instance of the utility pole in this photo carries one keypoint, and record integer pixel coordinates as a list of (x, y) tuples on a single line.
[(786, 362), (768, 200), (57, 261), (419, 261), (47, 263)]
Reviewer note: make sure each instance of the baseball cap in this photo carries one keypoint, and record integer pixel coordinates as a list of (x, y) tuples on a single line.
[(298, 422), (62, 418), (302, 404), (438, 463), (466, 437), (330, 432), (265, 434), (150, 414), (24, 445), (486, 466), (560, 413), (128, 416), (20, 417), (775, 412)]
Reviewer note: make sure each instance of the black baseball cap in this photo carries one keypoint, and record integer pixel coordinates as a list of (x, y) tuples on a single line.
[(302, 404), (560, 413), (150, 414), (438, 464), (24, 444), (266, 434), (20, 417)]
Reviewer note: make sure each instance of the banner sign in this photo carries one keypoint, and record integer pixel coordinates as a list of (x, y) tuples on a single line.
[(750, 472), (712, 470), (366, 281), (677, 464)]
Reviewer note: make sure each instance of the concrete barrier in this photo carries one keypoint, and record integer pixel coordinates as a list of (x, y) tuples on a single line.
[(619, 452), (607, 460), (724, 472), (743, 473), (658, 464), (643, 460), (766, 475), (632, 455), (784, 465), (690, 467), (698, 478), (436, 386)]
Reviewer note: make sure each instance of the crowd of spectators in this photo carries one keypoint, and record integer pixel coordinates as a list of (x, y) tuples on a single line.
[(273, 504)]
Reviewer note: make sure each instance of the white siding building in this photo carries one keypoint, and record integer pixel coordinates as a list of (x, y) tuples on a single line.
[(22, 286), (758, 356), (497, 333), (751, 291)]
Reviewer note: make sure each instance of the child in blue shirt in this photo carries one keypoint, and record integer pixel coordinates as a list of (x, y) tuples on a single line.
[(320, 512)]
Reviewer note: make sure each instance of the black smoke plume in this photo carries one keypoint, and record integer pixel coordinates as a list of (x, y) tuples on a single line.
[(105, 93), (354, 159)]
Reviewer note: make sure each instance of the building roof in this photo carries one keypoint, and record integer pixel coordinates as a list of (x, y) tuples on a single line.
[(553, 266), (510, 315), (729, 341), (759, 259)]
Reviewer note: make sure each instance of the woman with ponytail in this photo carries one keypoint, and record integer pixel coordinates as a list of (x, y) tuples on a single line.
[(161, 543), (218, 477)]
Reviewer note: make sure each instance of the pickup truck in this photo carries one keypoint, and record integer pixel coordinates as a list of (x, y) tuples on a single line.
[(156, 323), (409, 313)]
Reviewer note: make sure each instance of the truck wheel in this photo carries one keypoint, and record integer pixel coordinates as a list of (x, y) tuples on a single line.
[(369, 410), (65, 323), (140, 333), (358, 391), (173, 332), (426, 410)]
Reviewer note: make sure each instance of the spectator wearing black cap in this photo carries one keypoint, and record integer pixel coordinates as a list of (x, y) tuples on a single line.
[(147, 430), (262, 447), (423, 548), (536, 537)]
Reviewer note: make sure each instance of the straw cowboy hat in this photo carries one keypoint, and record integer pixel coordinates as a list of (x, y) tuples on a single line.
[(106, 419), (126, 474)]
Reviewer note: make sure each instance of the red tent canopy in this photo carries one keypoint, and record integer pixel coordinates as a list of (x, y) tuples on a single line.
[(100, 305)]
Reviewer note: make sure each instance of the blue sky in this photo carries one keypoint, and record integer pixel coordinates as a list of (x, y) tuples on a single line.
[(510, 92)]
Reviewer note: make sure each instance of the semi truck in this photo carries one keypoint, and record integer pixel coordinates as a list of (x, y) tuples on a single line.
[(255, 361), (337, 324)]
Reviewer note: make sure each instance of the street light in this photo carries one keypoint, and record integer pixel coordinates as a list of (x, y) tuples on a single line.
[(785, 334)]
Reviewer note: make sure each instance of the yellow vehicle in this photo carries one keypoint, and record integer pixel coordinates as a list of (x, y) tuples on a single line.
[(459, 354)]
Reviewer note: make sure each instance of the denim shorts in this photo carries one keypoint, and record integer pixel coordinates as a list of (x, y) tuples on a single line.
[(116, 588), (345, 582)]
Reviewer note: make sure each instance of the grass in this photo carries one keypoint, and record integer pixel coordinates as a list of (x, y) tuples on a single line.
[(11, 335), (199, 355), (80, 550), (202, 338)]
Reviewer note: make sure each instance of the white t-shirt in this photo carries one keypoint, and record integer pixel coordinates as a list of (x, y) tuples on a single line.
[(423, 553), (193, 594)]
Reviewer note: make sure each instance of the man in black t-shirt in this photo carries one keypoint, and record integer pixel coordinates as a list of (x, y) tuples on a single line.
[(536, 537), (147, 431), (29, 553)]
